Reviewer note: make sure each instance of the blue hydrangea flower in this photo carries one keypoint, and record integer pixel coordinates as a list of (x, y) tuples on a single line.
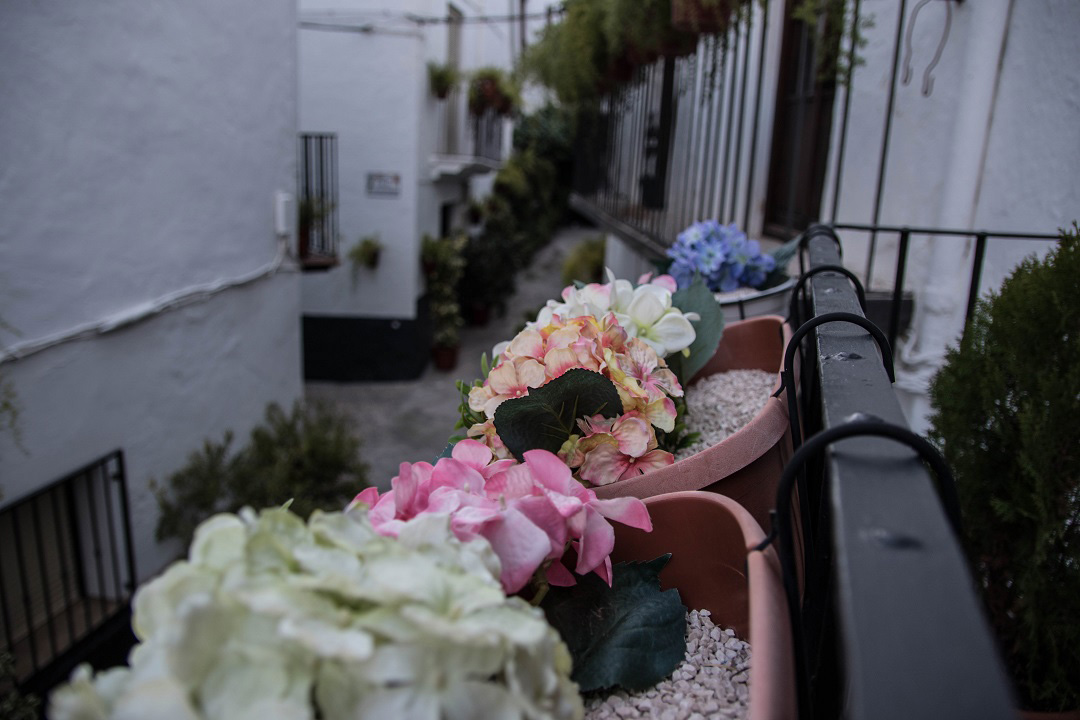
[(721, 254)]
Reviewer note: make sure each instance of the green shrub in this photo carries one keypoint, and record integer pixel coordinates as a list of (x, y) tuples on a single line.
[(1007, 416), (444, 263), (585, 263), (309, 456), (13, 704)]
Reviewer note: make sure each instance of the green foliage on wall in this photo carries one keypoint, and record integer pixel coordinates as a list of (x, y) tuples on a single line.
[(1007, 416)]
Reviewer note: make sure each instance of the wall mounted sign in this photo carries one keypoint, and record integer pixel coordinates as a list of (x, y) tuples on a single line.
[(383, 184)]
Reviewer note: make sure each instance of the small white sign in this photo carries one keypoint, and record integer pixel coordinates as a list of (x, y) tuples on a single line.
[(383, 184)]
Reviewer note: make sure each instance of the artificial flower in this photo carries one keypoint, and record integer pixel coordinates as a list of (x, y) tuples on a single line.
[(274, 617), (721, 254), (527, 512)]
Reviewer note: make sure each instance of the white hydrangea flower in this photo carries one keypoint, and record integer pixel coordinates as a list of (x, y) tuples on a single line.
[(272, 617), (645, 312)]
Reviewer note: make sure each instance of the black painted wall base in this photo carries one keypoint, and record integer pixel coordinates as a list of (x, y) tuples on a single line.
[(357, 349)]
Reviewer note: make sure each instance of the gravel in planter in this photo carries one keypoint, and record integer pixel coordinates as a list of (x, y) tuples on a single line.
[(710, 683), (722, 404)]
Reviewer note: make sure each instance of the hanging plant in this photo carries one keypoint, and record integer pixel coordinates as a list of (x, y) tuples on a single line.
[(704, 17), (490, 88), (365, 253), (442, 79)]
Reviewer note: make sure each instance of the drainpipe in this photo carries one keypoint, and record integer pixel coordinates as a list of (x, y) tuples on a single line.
[(941, 301)]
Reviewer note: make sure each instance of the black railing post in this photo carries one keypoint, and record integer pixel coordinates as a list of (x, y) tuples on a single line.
[(121, 479), (44, 570), (878, 192), (898, 285), (976, 276), (28, 607), (757, 113)]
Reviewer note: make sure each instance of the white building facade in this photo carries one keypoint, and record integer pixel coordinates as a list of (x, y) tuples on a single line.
[(148, 298), (407, 163)]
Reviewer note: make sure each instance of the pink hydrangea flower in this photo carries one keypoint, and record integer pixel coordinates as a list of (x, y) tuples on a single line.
[(529, 512)]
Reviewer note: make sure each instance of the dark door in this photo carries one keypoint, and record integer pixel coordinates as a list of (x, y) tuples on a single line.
[(801, 130)]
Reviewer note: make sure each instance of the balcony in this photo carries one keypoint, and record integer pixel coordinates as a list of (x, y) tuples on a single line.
[(465, 144), (67, 574)]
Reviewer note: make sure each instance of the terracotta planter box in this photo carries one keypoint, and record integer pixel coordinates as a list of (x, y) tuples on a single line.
[(710, 537), (747, 465)]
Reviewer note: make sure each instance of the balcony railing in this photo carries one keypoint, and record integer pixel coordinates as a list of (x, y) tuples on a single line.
[(683, 141), (891, 625), (465, 144), (67, 571), (317, 201)]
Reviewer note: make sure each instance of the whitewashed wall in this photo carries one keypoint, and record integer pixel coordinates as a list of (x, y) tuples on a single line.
[(371, 89), (990, 148), (142, 147)]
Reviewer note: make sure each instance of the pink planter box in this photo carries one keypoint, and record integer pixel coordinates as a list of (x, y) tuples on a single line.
[(710, 538)]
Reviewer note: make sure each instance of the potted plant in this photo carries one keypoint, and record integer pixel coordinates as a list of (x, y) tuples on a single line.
[(704, 16), (747, 464), (490, 88), (1005, 409), (366, 253), (310, 211), (747, 281), (640, 32), (443, 263), (442, 79)]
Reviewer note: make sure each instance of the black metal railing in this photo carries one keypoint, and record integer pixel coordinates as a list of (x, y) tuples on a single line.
[(67, 570), (904, 237), (488, 136), (465, 136), (892, 626), (685, 140), (317, 200)]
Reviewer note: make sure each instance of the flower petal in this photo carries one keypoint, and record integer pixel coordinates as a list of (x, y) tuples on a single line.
[(626, 510), (597, 542), (603, 465), (648, 305), (559, 576), (472, 453), (673, 331), (521, 547)]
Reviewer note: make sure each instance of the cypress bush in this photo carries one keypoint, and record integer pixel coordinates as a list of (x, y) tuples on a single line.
[(1007, 417)]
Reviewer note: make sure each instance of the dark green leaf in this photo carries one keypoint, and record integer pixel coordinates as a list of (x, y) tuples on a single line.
[(698, 298), (630, 635), (783, 254), (546, 417), (447, 451)]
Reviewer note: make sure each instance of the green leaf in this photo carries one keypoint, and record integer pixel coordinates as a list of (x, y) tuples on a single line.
[(698, 298), (783, 254), (447, 451), (545, 418), (631, 635)]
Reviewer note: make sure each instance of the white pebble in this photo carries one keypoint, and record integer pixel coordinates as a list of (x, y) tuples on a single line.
[(704, 685), (722, 404)]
